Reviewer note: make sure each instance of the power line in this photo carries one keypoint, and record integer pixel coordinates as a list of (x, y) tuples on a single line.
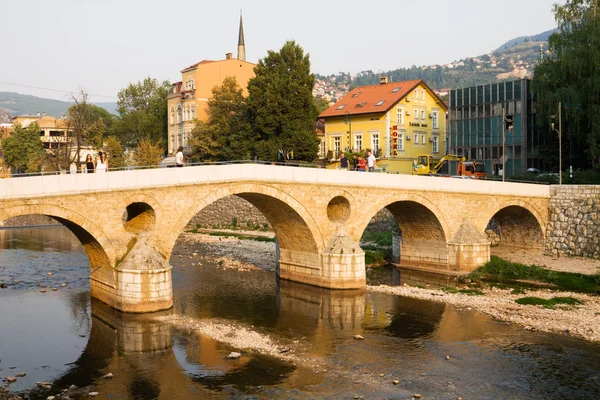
[(55, 90)]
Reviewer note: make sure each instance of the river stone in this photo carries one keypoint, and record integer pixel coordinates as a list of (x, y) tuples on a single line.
[(108, 376), (93, 394), (395, 382), (234, 355), (50, 398), (417, 396), (358, 337), (11, 379), (20, 374)]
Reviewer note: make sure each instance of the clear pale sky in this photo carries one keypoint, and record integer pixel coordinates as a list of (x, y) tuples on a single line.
[(101, 46)]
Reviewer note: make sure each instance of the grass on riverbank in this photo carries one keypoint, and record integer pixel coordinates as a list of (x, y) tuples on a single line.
[(382, 239), (237, 236), (503, 271), (550, 303)]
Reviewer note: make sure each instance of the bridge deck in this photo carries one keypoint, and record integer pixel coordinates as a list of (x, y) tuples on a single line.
[(52, 185)]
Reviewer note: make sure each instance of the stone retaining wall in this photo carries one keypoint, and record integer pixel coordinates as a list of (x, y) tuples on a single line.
[(574, 221)]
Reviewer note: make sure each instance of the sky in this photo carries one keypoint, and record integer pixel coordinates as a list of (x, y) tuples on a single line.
[(100, 46)]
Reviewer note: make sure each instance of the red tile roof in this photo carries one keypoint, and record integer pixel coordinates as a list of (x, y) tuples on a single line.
[(365, 99), (195, 65)]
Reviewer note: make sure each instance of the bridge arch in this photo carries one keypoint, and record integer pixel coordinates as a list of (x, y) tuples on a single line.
[(423, 232), (515, 223), (297, 233), (97, 246)]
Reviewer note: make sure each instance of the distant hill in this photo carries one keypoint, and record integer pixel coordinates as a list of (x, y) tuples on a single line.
[(22, 104), (515, 59), (540, 37)]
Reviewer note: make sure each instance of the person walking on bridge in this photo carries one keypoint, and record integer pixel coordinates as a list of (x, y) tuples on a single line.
[(371, 161), (179, 157)]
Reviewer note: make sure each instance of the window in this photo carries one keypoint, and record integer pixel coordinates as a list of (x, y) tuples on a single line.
[(436, 144), (423, 114), (380, 102), (375, 143), (423, 95), (337, 146), (416, 113), (193, 111), (189, 83), (172, 115), (340, 107), (401, 141), (358, 142), (416, 95), (400, 115), (179, 114), (423, 138), (395, 90), (435, 120), (361, 105), (355, 95)]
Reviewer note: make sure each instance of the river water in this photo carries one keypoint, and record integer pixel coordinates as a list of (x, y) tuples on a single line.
[(66, 338)]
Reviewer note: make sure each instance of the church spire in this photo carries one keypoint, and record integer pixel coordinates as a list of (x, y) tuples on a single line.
[(241, 45)]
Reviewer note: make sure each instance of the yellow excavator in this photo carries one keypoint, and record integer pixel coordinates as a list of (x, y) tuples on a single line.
[(425, 165)]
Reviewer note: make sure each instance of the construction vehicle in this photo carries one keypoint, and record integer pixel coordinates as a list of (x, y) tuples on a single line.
[(426, 165)]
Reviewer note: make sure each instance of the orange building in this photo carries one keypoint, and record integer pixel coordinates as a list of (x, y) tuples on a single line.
[(188, 100)]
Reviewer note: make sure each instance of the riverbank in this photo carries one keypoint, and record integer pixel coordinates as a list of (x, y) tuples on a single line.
[(580, 320)]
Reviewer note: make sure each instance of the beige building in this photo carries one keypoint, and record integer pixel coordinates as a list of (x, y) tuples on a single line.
[(188, 100)]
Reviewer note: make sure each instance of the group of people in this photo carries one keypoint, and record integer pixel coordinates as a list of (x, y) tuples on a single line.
[(358, 163), (99, 165)]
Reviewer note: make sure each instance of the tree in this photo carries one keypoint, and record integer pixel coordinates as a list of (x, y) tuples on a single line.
[(227, 134), (281, 108), (143, 113), (23, 150), (86, 127), (147, 153), (115, 152), (568, 76)]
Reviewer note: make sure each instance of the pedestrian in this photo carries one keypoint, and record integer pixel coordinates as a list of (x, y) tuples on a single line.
[(371, 161), (101, 162), (179, 157), (362, 164), (354, 163), (344, 162), (90, 167)]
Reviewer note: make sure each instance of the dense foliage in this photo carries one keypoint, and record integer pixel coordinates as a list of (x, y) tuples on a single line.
[(23, 150), (142, 108), (570, 75)]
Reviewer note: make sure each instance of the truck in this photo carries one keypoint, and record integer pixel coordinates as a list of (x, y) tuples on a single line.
[(426, 165)]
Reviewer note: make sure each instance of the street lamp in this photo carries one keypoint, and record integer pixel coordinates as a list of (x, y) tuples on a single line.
[(507, 124), (348, 120), (559, 114)]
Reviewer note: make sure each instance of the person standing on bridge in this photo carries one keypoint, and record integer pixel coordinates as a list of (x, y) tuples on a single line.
[(344, 162), (371, 161), (89, 164), (179, 157), (101, 162)]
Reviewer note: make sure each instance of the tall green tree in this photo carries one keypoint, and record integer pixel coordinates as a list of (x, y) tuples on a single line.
[(142, 108), (570, 75), (87, 127), (227, 134), (23, 150), (115, 152), (148, 153), (281, 108)]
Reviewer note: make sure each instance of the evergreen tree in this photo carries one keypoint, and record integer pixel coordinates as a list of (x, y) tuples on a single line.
[(115, 152), (570, 75), (281, 108), (23, 150)]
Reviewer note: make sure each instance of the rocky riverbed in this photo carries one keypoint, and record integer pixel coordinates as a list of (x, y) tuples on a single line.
[(580, 320)]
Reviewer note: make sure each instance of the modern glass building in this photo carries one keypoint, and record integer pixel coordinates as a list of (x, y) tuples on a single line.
[(476, 126)]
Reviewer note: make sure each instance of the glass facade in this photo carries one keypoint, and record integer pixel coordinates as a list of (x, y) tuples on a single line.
[(476, 126)]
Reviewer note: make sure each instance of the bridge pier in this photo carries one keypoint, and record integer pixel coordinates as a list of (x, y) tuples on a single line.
[(143, 280), (340, 265), (468, 249)]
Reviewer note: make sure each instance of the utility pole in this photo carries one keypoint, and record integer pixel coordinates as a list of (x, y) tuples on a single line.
[(503, 144)]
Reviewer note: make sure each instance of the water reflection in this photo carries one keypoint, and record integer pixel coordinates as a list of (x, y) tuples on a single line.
[(41, 239)]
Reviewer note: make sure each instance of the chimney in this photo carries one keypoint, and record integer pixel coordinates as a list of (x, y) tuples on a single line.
[(383, 80), (44, 114), (228, 56), (38, 114)]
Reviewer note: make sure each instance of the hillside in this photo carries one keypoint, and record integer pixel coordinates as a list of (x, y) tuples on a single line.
[(21, 104), (515, 59)]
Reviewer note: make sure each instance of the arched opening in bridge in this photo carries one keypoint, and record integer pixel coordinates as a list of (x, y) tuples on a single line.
[(46, 233), (138, 217), (515, 226), (406, 233), (256, 234)]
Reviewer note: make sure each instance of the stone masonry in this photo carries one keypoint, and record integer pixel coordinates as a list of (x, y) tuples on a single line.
[(318, 217), (574, 221)]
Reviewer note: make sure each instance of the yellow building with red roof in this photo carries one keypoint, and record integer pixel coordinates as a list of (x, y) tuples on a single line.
[(188, 100), (397, 121)]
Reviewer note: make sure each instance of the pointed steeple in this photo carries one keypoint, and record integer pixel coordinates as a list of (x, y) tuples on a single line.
[(241, 45)]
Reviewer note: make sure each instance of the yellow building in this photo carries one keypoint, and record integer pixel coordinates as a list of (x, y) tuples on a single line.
[(188, 99), (54, 132), (398, 121)]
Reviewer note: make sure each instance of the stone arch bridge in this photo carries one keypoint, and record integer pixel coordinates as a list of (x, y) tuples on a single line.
[(129, 221)]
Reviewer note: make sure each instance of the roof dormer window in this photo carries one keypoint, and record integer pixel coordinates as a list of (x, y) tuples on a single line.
[(380, 103), (340, 107)]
